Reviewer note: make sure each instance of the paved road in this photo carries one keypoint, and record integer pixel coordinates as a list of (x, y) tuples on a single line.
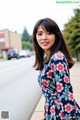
[(75, 81), (19, 90)]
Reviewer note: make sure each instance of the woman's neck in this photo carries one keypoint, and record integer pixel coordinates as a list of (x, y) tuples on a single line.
[(47, 53)]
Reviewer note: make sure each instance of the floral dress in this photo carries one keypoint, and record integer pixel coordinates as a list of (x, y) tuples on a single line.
[(54, 80)]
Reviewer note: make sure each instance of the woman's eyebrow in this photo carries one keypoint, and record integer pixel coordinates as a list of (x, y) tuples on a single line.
[(39, 31)]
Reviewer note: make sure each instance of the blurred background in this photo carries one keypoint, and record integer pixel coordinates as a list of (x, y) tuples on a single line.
[(19, 89), (17, 19)]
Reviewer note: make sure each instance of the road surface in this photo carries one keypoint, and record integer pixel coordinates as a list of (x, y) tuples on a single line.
[(19, 89)]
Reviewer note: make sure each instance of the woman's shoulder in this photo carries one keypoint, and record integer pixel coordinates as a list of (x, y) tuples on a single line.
[(58, 56)]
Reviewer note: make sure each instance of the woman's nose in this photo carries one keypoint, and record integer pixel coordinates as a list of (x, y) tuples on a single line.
[(44, 37)]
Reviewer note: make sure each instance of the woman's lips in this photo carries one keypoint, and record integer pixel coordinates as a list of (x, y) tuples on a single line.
[(45, 43)]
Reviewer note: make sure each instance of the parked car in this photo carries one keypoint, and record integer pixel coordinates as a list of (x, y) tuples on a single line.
[(28, 53), (22, 53), (12, 53)]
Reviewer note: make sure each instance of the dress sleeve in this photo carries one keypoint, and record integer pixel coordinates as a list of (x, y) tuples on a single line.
[(61, 76)]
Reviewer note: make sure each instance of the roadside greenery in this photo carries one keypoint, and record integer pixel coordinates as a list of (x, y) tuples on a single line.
[(26, 40), (1, 57), (26, 45), (71, 34)]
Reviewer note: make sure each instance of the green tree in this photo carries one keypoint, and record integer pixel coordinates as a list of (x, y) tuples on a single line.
[(26, 40), (71, 33), (30, 38), (25, 35)]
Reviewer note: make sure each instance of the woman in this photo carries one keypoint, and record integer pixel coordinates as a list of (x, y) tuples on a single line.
[(54, 61)]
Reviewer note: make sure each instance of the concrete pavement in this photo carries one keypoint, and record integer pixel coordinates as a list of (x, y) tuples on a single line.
[(75, 81)]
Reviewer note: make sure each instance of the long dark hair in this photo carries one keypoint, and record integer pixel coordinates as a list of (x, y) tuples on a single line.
[(59, 44)]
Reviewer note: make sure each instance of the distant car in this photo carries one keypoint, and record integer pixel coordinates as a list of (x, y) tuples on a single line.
[(12, 53), (28, 53), (22, 53)]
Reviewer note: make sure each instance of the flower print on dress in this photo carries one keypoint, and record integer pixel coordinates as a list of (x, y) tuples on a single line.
[(53, 110), (60, 67), (45, 82), (56, 87), (71, 97), (59, 87), (49, 74), (68, 108), (59, 56), (53, 67), (66, 79), (61, 115), (47, 106)]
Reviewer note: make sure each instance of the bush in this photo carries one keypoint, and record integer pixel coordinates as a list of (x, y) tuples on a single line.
[(1, 57), (26, 45)]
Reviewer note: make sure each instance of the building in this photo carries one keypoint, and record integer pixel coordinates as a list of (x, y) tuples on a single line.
[(8, 40)]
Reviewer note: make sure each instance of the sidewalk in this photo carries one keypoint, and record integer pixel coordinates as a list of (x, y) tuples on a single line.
[(39, 111), (75, 81)]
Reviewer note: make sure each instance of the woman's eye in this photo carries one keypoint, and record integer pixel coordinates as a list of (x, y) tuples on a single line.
[(39, 34), (49, 33)]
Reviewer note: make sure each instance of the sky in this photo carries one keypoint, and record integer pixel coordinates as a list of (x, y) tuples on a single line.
[(17, 14)]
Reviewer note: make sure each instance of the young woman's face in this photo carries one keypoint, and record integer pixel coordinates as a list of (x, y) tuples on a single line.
[(45, 39)]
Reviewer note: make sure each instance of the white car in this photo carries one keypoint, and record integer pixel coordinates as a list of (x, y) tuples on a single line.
[(22, 53), (28, 53)]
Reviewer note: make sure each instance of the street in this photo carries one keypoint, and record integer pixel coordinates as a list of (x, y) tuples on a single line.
[(19, 89)]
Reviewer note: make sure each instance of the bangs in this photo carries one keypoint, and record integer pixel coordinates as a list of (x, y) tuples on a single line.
[(47, 26)]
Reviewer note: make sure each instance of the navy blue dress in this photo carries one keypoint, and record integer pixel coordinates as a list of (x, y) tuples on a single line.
[(54, 80)]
